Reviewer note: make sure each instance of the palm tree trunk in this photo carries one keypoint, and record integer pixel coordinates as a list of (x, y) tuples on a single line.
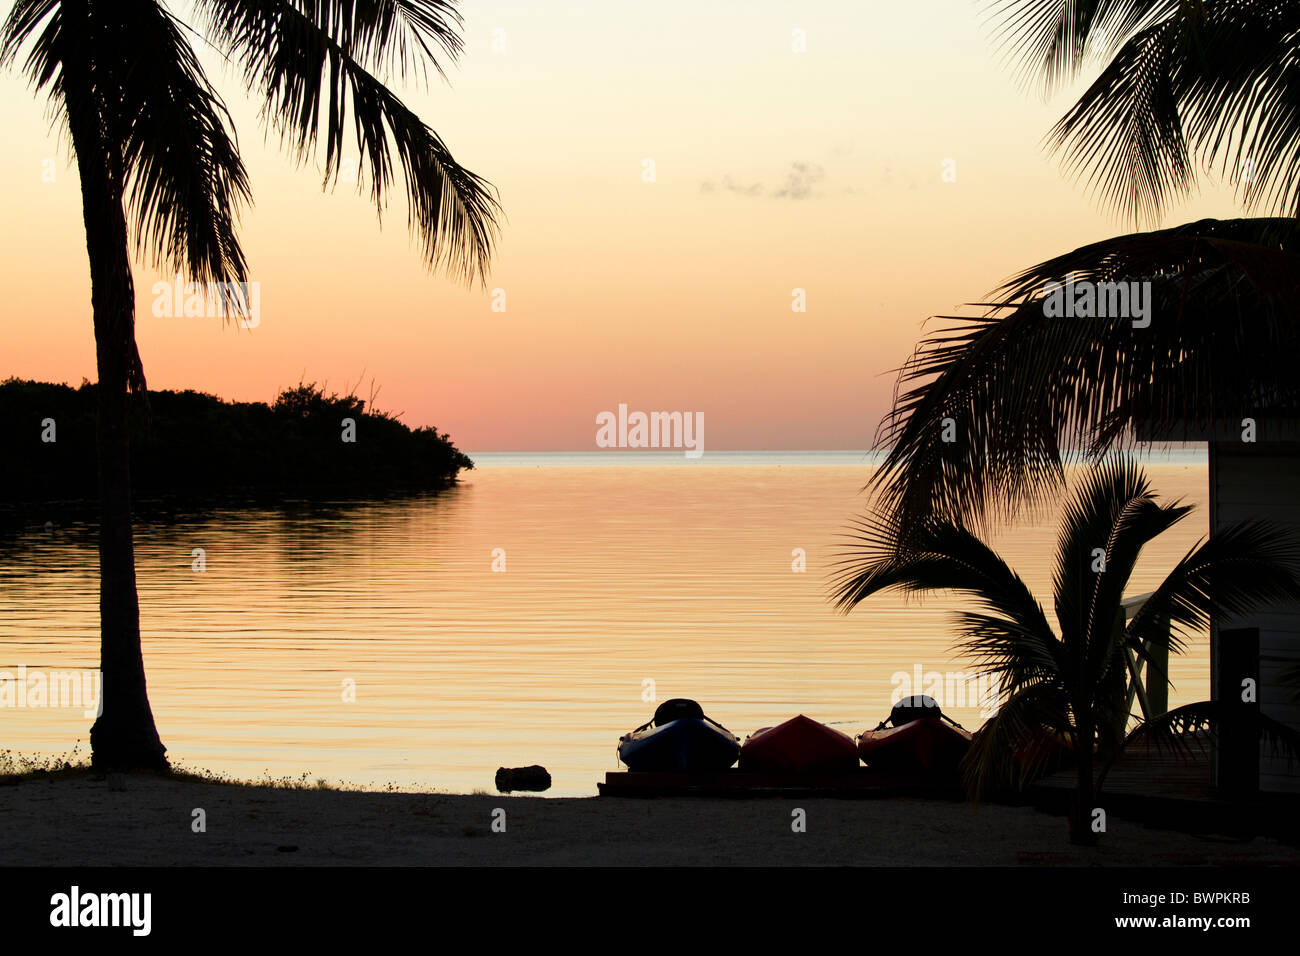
[(124, 736), (1081, 832)]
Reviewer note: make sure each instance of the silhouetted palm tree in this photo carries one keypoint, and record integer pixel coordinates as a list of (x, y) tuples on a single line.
[(1071, 682), (161, 174), (1015, 392)]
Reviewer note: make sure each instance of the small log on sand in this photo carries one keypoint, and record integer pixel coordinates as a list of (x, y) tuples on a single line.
[(533, 778)]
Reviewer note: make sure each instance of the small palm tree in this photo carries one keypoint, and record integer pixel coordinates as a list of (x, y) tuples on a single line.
[(161, 175), (1070, 683)]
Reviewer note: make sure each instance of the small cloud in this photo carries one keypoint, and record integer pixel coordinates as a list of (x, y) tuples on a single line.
[(799, 181), (731, 186), (755, 189)]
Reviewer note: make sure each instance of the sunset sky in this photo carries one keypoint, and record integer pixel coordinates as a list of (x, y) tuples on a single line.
[(774, 170)]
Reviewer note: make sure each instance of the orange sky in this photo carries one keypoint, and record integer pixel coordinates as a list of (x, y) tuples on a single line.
[(774, 170)]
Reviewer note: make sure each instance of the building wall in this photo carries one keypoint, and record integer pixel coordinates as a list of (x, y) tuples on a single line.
[(1254, 482)]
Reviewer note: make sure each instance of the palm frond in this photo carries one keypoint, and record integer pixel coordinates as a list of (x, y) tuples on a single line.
[(1107, 521), (1052, 38), (1090, 519), (1241, 100), (1026, 393), (176, 165), (1240, 568), (1125, 134), (1017, 653), (1013, 639), (383, 36), (938, 557), (184, 176), (36, 22), (1018, 743), (1187, 730), (1220, 80), (313, 62)]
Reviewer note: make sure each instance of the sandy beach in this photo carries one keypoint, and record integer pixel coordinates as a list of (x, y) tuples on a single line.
[(82, 821)]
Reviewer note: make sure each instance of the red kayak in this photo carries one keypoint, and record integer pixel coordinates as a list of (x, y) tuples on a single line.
[(800, 745), (928, 745)]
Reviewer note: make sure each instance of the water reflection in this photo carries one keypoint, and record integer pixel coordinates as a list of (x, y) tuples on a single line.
[(612, 577)]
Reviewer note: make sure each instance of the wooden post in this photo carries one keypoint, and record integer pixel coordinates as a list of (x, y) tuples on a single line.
[(1152, 693), (1236, 770), (1158, 676)]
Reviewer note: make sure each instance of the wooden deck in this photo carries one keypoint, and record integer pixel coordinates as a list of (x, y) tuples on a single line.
[(734, 783), (1164, 791)]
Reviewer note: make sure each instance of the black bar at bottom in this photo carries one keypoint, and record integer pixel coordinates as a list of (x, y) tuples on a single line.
[(495, 908)]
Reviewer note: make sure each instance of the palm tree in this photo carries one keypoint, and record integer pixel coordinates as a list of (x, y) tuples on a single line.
[(1070, 683), (161, 175), (1017, 392)]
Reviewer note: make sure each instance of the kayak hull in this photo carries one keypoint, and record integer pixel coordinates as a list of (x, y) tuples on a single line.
[(800, 745), (688, 745), (927, 745)]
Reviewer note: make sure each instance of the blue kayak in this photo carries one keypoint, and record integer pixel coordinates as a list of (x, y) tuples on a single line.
[(679, 738)]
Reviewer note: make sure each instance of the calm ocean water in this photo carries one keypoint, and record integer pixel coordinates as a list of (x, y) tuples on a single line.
[(619, 575)]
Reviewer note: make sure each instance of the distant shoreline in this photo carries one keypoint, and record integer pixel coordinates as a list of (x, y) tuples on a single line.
[(190, 450), (834, 458)]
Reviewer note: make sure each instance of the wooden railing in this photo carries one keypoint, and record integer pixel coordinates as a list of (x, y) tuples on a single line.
[(1148, 679)]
